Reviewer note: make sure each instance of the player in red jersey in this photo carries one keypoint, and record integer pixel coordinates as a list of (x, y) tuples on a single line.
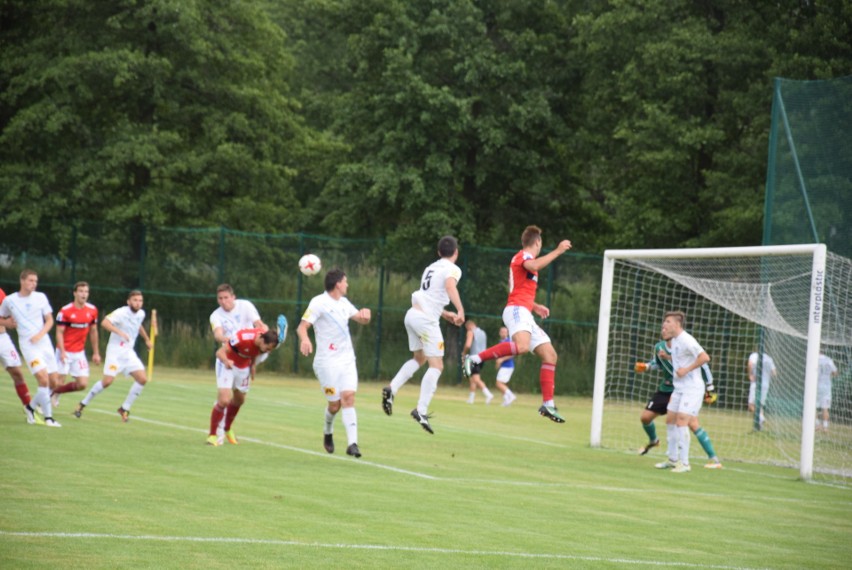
[(526, 335), (74, 323), (12, 362), (233, 374)]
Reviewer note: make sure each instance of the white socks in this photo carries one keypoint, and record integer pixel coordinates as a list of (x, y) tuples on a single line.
[(134, 392), (427, 389), (350, 422), (96, 389), (42, 398), (671, 441), (405, 373), (683, 444), (329, 422)]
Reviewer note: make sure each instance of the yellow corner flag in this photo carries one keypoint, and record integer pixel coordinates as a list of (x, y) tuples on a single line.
[(153, 335)]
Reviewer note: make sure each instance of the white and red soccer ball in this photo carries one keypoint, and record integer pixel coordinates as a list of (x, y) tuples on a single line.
[(310, 264)]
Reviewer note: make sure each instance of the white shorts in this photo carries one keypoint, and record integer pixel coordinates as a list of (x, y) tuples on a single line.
[(752, 390), (505, 374), (39, 356), (424, 333), (8, 355), (335, 379), (517, 318), (121, 361), (687, 401), (232, 378), (75, 364), (824, 397)]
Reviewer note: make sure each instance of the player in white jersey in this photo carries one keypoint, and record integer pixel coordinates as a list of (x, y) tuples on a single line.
[(687, 358), (767, 373), (334, 363), (231, 316), (30, 312), (11, 361), (827, 371), (438, 287), (124, 325)]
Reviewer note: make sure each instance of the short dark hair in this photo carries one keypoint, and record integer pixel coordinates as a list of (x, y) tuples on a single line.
[(79, 284), (530, 235), (333, 277), (27, 272), (447, 246), (134, 293), (270, 337)]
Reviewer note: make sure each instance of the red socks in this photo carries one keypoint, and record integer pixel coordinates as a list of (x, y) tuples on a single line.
[(216, 417), (23, 393), (547, 378), (499, 350), (232, 415), (69, 387)]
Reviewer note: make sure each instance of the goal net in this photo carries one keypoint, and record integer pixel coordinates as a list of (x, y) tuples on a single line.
[(792, 303)]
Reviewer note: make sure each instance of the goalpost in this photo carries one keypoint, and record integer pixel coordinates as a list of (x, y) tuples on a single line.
[(792, 303)]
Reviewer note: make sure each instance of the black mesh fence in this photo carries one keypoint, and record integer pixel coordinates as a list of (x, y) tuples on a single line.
[(178, 269)]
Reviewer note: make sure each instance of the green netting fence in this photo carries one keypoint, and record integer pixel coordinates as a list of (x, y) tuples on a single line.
[(809, 174), (178, 269)]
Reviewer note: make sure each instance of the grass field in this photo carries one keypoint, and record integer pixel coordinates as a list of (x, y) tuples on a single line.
[(493, 488)]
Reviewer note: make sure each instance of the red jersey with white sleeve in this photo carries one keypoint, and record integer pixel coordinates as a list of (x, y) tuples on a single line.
[(76, 321), (241, 348), (522, 283)]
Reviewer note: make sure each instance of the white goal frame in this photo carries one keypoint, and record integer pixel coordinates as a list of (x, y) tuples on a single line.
[(818, 253)]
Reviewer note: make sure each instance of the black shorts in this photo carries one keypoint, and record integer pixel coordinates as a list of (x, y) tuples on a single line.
[(659, 402), (475, 368)]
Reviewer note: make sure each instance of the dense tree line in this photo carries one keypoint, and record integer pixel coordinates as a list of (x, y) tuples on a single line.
[(616, 123)]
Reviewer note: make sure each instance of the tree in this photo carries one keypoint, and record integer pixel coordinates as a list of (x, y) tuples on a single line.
[(456, 115), (165, 112)]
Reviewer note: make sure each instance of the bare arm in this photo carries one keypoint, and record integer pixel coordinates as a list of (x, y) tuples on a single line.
[(94, 337), (453, 292), (145, 337), (111, 328), (305, 346), (60, 341), (48, 324), (222, 355), (702, 359), (468, 342), (362, 317), (540, 263), (219, 335), (541, 310)]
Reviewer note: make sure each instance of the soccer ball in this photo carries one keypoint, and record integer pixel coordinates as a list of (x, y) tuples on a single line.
[(310, 264)]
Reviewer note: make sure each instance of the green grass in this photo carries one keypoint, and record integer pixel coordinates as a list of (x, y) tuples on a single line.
[(494, 487)]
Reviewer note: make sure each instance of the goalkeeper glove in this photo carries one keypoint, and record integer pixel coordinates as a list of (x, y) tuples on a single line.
[(640, 366), (710, 396)]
